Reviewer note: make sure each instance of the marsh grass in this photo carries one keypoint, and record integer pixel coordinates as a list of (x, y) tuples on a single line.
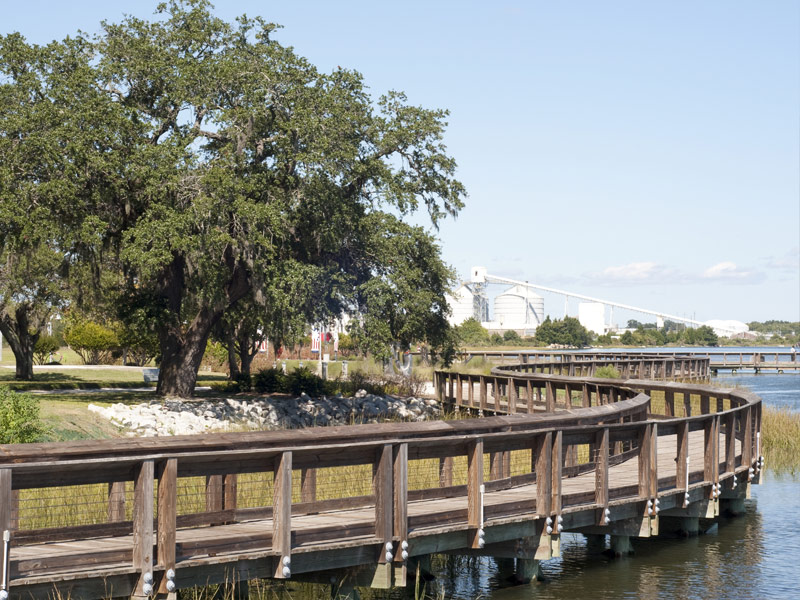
[(780, 438)]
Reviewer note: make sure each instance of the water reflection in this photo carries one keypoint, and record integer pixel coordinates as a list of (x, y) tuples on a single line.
[(752, 556)]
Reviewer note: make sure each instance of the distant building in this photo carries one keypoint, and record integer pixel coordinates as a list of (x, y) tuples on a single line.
[(728, 328), (467, 302)]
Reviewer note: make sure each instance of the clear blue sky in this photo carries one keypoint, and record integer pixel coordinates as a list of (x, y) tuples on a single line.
[(642, 152)]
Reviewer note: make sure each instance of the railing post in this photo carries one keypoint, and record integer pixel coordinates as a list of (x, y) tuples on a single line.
[(529, 396), (682, 466), (653, 460), (747, 441), (557, 462), (475, 490), (6, 499), (567, 396), (167, 517), (687, 404), (601, 474), (483, 393), (459, 390), (512, 396), (710, 452), (382, 486), (543, 446), (143, 527), (550, 396), (705, 404), (645, 455), (586, 396), (282, 515), (730, 442), (400, 493)]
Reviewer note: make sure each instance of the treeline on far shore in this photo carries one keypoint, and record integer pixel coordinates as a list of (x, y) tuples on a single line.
[(568, 332)]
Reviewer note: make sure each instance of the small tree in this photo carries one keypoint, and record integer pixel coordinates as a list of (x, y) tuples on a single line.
[(472, 333), (19, 418), (45, 346), (93, 342)]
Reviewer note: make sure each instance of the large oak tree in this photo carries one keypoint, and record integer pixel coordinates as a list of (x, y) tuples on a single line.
[(215, 158)]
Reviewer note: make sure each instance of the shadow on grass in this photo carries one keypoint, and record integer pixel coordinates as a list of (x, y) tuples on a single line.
[(38, 377)]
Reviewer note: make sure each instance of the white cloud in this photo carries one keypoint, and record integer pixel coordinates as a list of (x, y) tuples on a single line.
[(730, 271), (788, 263), (636, 273)]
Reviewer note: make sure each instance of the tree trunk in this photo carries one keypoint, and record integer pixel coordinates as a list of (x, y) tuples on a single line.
[(182, 349), (16, 330), (233, 363), (181, 355)]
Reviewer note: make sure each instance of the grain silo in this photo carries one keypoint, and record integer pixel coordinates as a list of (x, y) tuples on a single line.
[(465, 304), (518, 308)]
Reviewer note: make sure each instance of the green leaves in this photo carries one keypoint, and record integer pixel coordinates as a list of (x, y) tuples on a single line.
[(200, 163)]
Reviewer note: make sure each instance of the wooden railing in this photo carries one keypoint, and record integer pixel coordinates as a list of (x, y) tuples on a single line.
[(133, 512)]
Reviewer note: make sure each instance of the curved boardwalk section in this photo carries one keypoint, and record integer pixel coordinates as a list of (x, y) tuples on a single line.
[(561, 451)]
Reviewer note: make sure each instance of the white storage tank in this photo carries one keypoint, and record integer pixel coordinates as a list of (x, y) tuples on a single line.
[(463, 304), (518, 308), (592, 315)]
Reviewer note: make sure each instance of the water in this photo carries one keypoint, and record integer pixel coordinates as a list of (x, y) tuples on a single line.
[(753, 556)]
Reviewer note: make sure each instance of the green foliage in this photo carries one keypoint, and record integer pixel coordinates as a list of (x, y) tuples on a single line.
[(45, 346), (607, 372), (472, 333), (496, 339), (699, 336), (140, 342), (201, 164), (563, 332), (303, 380), (781, 328), (93, 342), (19, 418), (511, 337), (269, 381), (346, 345)]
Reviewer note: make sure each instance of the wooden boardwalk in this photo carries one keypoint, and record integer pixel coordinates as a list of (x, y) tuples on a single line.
[(366, 502)]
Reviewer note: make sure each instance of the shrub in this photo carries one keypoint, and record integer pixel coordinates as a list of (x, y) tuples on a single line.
[(511, 336), (19, 418), (268, 381), (94, 343), (141, 343), (303, 380), (45, 346), (607, 372)]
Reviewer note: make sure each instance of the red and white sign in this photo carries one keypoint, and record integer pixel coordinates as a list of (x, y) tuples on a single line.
[(315, 338)]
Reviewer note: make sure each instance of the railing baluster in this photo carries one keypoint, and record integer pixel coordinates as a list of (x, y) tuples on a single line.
[(308, 485), (116, 501)]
